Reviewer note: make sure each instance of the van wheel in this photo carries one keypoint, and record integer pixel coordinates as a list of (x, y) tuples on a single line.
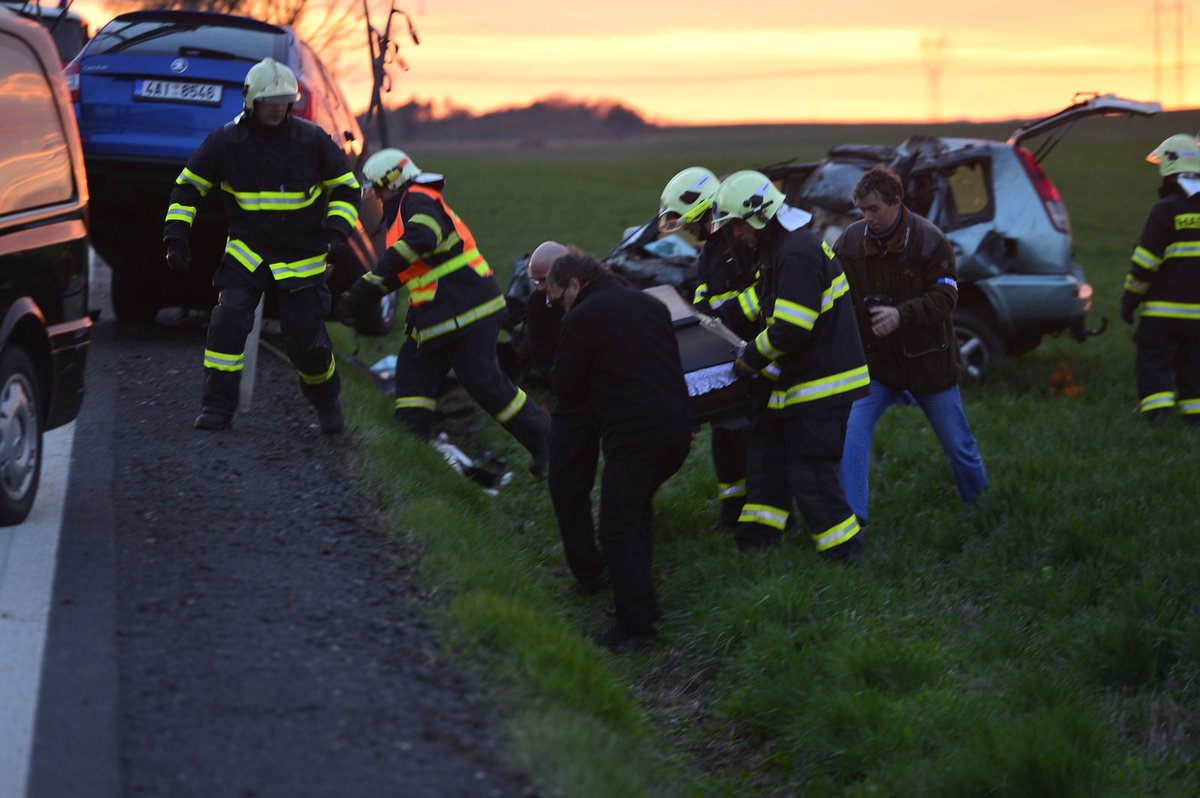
[(133, 301), (978, 343), (20, 436)]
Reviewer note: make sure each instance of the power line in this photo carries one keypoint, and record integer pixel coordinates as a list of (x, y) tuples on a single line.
[(935, 57)]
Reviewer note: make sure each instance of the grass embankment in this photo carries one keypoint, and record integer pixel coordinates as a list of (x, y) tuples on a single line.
[(1045, 644)]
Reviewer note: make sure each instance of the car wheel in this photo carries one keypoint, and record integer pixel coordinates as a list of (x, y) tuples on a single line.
[(978, 343), (20, 436), (133, 300)]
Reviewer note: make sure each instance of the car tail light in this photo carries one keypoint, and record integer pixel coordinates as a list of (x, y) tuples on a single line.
[(1047, 192), (71, 73), (304, 106)]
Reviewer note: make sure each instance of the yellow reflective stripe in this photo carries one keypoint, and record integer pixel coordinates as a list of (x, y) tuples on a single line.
[(309, 267), (698, 295), (319, 379), (348, 180), (405, 251), (1157, 401), (794, 313), (416, 403), (1171, 310), (731, 490), (243, 254), (772, 372), (748, 302), (181, 213), (273, 200), (375, 280), (765, 514), (1189, 406), (837, 289), (426, 220), (1146, 259), (345, 210), (819, 389), (442, 269), (717, 300), (1135, 286), (1183, 249), (763, 344), (223, 362), (450, 243), (200, 184), (512, 408), (837, 535), (829, 253), (494, 305)]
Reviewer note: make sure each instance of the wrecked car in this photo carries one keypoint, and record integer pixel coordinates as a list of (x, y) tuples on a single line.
[(1018, 280)]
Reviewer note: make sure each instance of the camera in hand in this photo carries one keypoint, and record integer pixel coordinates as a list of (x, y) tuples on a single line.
[(871, 300)]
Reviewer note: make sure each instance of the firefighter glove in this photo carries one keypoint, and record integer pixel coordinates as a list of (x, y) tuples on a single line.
[(1129, 303), (354, 303), (179, 255), (339, 249)]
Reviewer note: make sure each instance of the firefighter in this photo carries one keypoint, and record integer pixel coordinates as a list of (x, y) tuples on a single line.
[(290, 199), (454, 305), (726, 291), (1164, 281), (809, 357)]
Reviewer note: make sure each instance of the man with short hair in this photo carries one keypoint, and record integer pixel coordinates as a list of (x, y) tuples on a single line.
[(905, 285)]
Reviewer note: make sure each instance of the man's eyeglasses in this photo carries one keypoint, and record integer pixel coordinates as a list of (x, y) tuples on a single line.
[(537, 282)]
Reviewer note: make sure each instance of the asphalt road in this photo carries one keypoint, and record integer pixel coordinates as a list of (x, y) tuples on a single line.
[(227, 617)]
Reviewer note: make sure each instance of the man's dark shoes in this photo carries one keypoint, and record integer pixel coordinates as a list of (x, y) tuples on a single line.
[(212, 421), (621, 640), (332, 420), (588, 588)]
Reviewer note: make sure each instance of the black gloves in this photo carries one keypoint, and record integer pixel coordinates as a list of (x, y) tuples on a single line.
[(1129, 303), (179, 255), (354, 303), (340, 251)]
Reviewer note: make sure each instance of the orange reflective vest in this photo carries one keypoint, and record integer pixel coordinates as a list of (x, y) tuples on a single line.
[(456, 251)]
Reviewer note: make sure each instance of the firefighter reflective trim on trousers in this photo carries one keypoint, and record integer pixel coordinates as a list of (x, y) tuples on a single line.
[(416, 403), (763, 344), (1146, 259), (181, 213), (837, 535), (765, 514), (512, 408), (748, 302), (731, 490), (223, 362), (699, 295), (794, 313), (1156, 401), (200, 184), (819, 389), (273, 200), (1171, 310), (1183, 249), (343, 210), (425, 220), (298, 269), (319, 379), (837, 289), (494, 305), (1189, 407), (348, 180), (239, 251), (1135, 286)]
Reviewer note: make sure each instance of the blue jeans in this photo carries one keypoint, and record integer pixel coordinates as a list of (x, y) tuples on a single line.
[(945, 413)]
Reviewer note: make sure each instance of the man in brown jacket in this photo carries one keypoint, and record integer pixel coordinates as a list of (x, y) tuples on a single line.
[(904, 284)]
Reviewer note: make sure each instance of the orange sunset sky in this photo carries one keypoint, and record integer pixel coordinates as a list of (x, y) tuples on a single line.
[(711, 62)]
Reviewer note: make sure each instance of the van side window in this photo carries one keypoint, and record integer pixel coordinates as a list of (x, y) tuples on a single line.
[(970, 200), (35, 164)]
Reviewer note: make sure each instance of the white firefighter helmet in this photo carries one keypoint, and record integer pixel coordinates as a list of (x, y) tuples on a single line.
[(746, 195), (389, 168), (1178, 155), (685, 199), (270, 81)]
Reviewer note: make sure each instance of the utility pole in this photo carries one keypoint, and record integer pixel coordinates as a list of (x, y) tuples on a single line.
[(935, 56)]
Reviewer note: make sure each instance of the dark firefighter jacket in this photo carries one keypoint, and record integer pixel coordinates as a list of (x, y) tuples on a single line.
[(432, 253), (916, 272), (726, 289), (618, 360), (1166, 264), (285, 191), (810, 346)]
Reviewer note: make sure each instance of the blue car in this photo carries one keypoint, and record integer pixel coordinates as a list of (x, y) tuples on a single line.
[(147, 89)]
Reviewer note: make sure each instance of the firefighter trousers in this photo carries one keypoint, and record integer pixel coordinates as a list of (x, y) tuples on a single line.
[(471, 352), (302, 315), (1168, 367), (730, 439)]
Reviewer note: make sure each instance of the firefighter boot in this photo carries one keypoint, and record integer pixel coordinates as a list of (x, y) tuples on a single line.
[(531, 428), (332, 419), (212, 420)]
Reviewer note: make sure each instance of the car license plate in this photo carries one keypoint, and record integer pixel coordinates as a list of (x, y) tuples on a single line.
[(207, 93)]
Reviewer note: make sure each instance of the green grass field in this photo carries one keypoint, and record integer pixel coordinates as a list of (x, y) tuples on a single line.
[(1045, 644)]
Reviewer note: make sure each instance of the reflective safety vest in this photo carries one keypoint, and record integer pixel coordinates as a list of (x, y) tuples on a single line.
[(456, 251)]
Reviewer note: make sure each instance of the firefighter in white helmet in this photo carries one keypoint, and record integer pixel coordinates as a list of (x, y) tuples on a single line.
[(454, 306), (725, 290), (1164, 281), (289, 197), (810, 359)]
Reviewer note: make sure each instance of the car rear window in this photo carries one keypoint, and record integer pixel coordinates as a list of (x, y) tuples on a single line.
[(170, 37)]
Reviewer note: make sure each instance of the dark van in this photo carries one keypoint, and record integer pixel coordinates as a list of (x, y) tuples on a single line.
[(44, 324)]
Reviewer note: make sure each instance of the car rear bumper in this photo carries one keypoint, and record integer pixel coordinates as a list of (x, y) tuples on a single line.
[(68, 358), (1037, 303)]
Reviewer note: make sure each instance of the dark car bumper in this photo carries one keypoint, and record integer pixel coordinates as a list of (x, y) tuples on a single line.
[(69, 344)]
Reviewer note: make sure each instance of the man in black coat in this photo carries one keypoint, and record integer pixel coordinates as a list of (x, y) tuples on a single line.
[(618, 362)]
